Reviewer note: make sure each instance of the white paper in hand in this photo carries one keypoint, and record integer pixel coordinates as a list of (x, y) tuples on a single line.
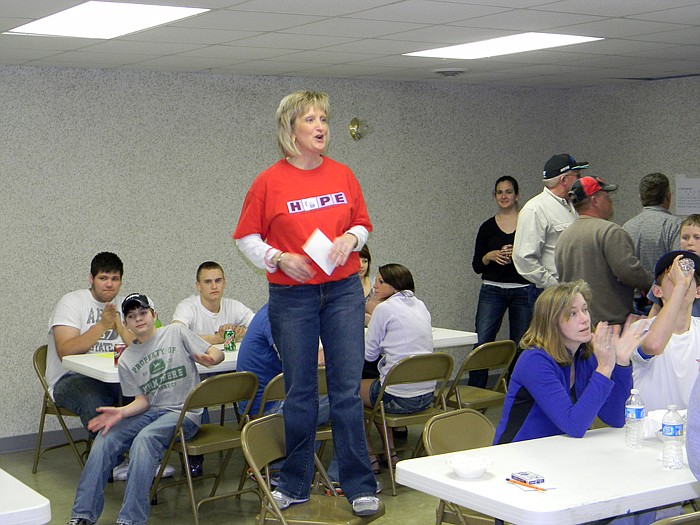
[(318, 247)]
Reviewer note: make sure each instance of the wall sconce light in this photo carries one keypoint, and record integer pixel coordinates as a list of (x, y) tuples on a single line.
[(357, 129)]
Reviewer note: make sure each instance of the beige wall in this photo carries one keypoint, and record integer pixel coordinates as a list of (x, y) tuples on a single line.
[(155, 166)]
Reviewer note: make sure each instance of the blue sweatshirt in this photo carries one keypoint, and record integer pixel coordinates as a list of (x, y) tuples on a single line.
[(539, 403)]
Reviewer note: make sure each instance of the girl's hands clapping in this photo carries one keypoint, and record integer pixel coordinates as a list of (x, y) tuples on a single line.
[(628, 341), (613, 346), (603, 347)]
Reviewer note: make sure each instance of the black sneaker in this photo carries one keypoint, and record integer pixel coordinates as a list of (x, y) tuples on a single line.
[(80, 521), (400, 433), (196, 465)]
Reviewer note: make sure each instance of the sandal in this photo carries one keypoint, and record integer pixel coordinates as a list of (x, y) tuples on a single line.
[(394, 460), (374, 464)]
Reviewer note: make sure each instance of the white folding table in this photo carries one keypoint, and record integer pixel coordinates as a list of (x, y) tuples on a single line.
[(594, 477), (101, 365), (446, 338), (20, 505)]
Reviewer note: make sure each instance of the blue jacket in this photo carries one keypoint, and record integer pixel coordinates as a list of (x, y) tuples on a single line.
[(539, 404), (258, 354)]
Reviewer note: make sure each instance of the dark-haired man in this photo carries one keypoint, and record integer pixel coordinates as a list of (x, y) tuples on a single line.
[(86, 320), (655, 231), (209, 314)]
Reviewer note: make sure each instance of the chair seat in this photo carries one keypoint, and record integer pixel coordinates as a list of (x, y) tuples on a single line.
[(415, 418), (212, 438), (476, 398), (324, 433), (324, 510)]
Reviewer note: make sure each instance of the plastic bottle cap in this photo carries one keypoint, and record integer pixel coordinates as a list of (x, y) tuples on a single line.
[(634, 391)]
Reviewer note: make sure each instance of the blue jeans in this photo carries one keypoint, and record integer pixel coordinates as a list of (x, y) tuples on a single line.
[(146, 436), (400, 405), (493, 303), (83, 395), (299, 315)]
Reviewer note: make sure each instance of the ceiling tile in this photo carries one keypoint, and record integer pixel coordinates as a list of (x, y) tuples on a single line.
[(365, 39)]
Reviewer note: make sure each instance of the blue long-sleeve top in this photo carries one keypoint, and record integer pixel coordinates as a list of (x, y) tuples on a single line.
[(539, 402)]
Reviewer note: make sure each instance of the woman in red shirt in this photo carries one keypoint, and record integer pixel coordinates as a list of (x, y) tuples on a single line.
[(303, 193)]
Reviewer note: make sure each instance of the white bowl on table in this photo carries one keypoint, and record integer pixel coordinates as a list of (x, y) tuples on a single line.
[(469, 467)]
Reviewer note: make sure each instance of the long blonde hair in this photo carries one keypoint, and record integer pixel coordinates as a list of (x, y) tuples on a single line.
[(550, 308)]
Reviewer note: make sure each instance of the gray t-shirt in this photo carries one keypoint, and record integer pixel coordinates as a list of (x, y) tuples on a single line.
[(163, 368)]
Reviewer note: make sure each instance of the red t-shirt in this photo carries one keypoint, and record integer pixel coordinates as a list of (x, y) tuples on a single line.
[(286, 204)]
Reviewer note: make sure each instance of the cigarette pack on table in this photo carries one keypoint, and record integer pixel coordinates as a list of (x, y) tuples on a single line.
[(527, 477)]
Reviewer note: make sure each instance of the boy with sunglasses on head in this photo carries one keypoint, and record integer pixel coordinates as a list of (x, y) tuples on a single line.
[(159, 370)]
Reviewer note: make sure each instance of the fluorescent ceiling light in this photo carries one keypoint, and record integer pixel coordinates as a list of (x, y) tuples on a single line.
[(104, 20), (503, 46)]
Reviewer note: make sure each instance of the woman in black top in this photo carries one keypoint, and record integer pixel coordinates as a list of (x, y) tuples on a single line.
[(503, 288)]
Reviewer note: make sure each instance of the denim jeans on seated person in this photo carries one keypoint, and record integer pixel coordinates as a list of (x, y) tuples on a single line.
[(82, 395), (299, 315), (146, 436), (400, 405)]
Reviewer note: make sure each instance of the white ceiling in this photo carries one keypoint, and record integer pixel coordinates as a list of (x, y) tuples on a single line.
[(364, 39)]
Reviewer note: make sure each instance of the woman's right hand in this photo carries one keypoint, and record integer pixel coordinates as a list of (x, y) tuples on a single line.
[(298, 267), (498, 256), (604, 347)]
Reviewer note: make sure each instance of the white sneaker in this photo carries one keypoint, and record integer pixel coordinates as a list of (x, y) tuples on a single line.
[(365, 505), (119, 472), (283, 501), (167, 473)]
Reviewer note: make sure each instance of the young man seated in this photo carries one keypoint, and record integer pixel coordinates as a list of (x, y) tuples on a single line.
[(159, 371), (209, 314), (665, 365)]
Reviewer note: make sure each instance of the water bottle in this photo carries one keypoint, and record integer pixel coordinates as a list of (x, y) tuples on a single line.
[(672, 430), (634, 420)]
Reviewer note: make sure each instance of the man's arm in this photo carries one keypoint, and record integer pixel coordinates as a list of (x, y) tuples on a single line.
[(184, 315), (620, 255), (238, 332), (213, 339), (672, 318), (69, 340), (527, 249), (110, 416), (213, 356)]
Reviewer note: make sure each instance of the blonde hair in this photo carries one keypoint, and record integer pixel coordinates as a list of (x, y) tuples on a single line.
[(291, 108), (550, 308), (691, 220)]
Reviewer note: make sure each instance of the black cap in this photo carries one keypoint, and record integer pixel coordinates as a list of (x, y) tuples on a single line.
[(561, 163), (136, 299), (667, 259), (587, 186)]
